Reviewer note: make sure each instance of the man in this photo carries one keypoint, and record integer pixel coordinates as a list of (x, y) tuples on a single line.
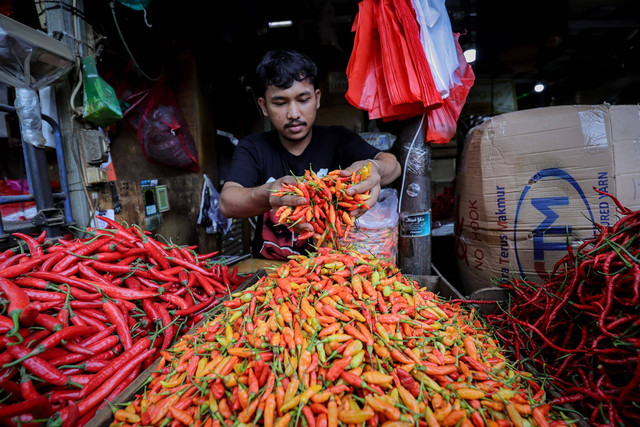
[(262, 162)]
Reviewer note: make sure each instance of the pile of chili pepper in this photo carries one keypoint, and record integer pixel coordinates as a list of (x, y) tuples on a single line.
[(80, 318), (581, 326), (338, 338), (328, 208)]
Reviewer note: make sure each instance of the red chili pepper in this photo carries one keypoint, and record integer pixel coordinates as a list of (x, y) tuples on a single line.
[(77, 252), (109, 268), (120, 230), (38, 366), (98, 348), (175, 300), (56, 338), (27, 390), (169, 331), (34, 246), (104, 388), (197, 307), (38, 406), (118, 319), (337, 368), (22, 268), (18, 303)]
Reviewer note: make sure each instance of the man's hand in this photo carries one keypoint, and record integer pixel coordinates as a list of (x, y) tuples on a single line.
[(288, 200), (372, 184)]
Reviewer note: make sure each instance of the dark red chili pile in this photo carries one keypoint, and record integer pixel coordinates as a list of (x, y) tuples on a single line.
[(581, 326), (442, 206), (81, 318)]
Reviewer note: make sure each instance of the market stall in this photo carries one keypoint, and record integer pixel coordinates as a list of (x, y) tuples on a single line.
[(136, 302)]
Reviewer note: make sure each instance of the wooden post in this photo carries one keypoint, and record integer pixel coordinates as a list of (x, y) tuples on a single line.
[(414, 155)]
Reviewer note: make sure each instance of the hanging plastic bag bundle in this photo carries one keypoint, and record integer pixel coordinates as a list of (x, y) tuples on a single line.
[(388, 74), (101, 106)]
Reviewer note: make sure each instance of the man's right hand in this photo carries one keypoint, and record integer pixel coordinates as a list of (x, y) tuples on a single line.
[(287, 200)]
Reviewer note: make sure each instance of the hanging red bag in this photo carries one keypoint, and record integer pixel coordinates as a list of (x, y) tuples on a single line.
[(163, 133), (443, 121)]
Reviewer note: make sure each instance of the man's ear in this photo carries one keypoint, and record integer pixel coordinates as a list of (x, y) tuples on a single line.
[(263, 106), (317, 98)]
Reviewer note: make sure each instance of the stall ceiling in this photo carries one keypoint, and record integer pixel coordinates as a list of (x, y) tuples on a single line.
[(585, 51)]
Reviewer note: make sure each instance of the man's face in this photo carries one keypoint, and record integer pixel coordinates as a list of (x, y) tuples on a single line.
[(292, 111)]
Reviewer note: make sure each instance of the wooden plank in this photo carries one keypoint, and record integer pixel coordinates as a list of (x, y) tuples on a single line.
[(251, 265)]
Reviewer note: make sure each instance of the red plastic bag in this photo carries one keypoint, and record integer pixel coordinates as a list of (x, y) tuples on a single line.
[(442, 122), (163, 133)]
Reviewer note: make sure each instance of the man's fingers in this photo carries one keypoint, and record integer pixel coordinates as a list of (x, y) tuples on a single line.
[(360, 187), (303, 227)]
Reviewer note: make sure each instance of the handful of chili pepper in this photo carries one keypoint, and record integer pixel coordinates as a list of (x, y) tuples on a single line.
[(328, 208), (80, 319), (581, 326), (338, 338)]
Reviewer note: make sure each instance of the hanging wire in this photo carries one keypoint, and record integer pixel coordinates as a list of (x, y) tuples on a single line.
[(126, 46)]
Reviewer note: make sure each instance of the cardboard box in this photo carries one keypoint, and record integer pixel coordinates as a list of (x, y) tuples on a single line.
[(525, 187)]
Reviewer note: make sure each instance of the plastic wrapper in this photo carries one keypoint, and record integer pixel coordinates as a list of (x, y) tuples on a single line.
[(28, 109), (30, 58), (377, 230), (210, 216), (101, 106), (381, 140)]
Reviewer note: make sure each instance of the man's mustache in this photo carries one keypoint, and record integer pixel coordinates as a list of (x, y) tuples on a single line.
[(295, 123)]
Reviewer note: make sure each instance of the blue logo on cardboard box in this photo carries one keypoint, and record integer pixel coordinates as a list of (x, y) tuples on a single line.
[(552, 224)]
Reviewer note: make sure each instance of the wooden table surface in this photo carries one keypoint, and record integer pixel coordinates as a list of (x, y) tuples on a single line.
[(251, 265)]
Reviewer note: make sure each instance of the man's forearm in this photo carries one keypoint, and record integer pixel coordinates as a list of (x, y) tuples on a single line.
[(389, 167), (240, 202)]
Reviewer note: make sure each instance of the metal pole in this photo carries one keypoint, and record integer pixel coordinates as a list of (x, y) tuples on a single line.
[(414, 243), (63, 20)]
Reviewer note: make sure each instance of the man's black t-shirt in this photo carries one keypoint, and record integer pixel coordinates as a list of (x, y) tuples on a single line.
[(261, 158)]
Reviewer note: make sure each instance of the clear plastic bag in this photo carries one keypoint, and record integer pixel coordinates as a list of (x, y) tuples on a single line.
[(377, 230)]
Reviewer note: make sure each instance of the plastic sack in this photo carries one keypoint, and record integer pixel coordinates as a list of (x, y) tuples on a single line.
[(442, 122), (439, 46), (210, 216), (163, 133), (377, 230), (101, 106)]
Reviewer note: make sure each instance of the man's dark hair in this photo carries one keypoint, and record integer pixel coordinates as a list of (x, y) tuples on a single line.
[(281, 68)]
